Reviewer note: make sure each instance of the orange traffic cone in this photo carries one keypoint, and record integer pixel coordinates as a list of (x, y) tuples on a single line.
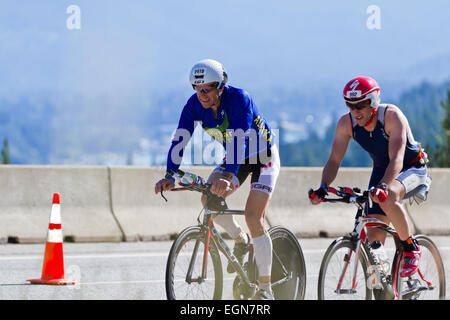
[(53, 268)]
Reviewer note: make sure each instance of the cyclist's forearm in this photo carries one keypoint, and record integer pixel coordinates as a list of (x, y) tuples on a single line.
[(392, 171), (329, 172)]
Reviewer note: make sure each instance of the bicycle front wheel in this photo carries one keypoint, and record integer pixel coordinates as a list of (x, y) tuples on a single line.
[(288, 266), (185, 266), (337, 278), (428, 283)]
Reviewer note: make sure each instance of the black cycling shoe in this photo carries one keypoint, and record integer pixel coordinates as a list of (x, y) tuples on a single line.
[(239, 251)]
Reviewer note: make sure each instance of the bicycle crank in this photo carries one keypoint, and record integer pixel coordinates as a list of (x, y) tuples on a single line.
[(241, 291)]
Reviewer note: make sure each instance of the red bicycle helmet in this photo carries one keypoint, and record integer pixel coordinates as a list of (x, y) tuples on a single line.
[(362, 88)]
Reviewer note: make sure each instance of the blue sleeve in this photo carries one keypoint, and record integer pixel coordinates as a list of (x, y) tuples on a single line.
[(241, 122), (183, 134)]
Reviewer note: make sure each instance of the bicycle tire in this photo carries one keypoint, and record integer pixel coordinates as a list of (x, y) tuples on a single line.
[(287, 250), (327, 291), (176, 272), (431, 267)]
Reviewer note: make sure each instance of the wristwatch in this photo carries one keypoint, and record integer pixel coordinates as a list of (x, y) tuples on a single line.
[(382, 186), (169, 175)]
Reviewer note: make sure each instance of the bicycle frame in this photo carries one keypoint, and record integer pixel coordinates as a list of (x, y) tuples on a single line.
[(219, 242), (210, 232), (360, 246), (359, 235)]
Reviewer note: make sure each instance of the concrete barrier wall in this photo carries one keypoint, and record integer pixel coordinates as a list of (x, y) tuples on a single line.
[(26, 194), (118, 203), (433, 216), (291, 207), (146, 216)]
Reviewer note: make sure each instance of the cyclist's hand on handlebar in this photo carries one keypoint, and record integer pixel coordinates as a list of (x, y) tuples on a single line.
[(379, 193), (164, 185), (317, 196), (220, 186)]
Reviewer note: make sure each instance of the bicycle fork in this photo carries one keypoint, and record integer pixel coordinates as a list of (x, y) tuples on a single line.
[(358, 230), (205, 257), (388, 290), (193, 259), (347, 260)]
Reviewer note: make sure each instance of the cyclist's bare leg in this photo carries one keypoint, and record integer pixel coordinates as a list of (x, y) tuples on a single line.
[(255, 209), (374, 234), (394, 210)]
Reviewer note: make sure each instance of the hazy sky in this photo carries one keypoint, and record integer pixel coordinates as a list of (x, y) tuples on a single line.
[(137, 47), (126, 66)]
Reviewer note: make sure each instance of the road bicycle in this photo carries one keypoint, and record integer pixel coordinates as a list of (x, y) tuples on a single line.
[(350, 270), (194, 268)]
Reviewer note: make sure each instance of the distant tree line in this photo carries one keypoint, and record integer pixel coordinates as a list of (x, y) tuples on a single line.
[(440, 154), (4, 157), (428, 115)]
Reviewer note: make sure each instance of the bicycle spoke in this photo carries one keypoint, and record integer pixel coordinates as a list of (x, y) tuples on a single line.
[(193, 290), (184, 279), (337, 275)]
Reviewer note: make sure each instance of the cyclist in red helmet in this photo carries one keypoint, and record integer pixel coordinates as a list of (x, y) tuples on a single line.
[(399, 162)]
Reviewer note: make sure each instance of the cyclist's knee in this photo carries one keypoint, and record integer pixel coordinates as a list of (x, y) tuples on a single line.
[(396, 191), (391, 201), (394, 196)]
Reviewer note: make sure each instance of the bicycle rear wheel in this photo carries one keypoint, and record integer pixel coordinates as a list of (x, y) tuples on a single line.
[(184, 279), (428, 283), (288, 266), (337, 273)]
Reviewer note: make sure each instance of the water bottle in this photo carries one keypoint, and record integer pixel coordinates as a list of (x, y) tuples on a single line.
[(380, 256), (189, 178)]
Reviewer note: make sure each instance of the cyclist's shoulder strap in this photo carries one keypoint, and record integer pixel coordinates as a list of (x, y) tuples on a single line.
[(353, 121), (381, 113)]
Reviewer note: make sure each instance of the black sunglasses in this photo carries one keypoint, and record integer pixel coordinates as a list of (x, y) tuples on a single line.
[(358, 106)]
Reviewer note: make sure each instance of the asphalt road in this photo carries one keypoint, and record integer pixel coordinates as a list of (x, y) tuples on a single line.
[(128, 271)]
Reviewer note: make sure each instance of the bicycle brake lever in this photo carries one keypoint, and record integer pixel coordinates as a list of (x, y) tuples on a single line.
[(163, 196)]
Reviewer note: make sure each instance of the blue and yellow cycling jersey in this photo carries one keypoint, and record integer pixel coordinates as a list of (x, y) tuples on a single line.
[(239, 126)]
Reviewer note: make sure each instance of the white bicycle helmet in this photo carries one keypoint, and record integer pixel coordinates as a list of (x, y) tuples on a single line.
[(207, 71)]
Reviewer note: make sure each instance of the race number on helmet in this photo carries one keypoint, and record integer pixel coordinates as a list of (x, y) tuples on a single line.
[(362, 88), (207, 71)]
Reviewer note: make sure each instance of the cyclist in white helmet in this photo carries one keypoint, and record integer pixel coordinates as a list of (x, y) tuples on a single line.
[(230, 116)]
